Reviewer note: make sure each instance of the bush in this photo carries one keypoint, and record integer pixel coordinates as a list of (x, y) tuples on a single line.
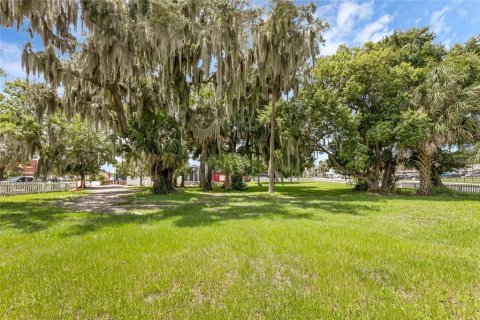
[(237, 182), (361, 186)]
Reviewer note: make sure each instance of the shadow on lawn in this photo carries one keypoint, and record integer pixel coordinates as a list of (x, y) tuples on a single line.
[(211, 209), (29, 216), (194, 209), (191, 215)]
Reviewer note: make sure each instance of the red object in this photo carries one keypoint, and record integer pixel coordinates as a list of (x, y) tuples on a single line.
[(29, 169), (216, 177)]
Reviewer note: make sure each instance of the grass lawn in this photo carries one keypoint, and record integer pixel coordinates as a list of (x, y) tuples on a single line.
[(475, 180), (313, 250)]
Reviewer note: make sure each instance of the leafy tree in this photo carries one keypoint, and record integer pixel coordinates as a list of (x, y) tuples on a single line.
[(85, 151), (158, 137), (283, 42), (257, 168), (181, 172), (448, 109), (203, 126), (19, 131), (357, 99), (234, 166)]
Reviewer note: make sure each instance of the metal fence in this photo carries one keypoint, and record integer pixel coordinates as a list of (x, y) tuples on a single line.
[(14, 188), (458, 187)]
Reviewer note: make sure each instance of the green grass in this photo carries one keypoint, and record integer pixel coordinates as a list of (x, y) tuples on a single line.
[(475, 180), (311, 251)]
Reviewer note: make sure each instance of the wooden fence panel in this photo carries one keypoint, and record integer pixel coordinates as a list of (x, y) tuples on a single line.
[(15, 188)]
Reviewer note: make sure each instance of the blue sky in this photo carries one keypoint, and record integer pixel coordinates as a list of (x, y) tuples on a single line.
[(351, 23)]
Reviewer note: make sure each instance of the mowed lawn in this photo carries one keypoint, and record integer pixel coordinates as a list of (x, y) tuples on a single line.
[(311, 251)]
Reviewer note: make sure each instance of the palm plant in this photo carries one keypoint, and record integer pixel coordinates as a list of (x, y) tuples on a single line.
[(158, 136), (451, 109), (231, 164)]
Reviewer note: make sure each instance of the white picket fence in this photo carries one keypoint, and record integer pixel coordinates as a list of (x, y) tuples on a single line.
[(458, 187), (14, 188)]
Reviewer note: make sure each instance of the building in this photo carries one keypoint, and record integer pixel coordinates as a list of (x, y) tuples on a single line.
[(30, 168)]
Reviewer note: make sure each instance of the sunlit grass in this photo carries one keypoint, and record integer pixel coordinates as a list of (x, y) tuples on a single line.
[(474, 180), (312, 250)]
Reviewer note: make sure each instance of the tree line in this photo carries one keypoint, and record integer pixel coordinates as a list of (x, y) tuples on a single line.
[(240, 88)]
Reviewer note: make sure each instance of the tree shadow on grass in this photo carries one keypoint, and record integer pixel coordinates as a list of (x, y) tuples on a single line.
[(194, 209), (213, 209), (29, 216), (191, 215)]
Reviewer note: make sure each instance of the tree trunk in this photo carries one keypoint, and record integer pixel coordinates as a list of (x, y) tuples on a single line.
[(373, 185), (291, 179), (119, 111), (388, 181), (258, 176), (271, 164), (425, 169), (207, 185), (182, 181), (281, 179), (162, 179), (227, 184), (141, 180), (436, 178), (202, 168), (2, 173), (82, 180)]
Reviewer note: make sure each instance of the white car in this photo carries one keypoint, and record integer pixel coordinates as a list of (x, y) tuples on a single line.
[(20, 179)]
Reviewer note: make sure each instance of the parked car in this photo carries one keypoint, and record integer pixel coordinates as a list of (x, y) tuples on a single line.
[(473, 174), (20, 179), (451, 175)]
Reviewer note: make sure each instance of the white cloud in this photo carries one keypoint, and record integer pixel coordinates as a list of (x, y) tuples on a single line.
[(351, 16), (10, 60), (437, 20), (375, 31)]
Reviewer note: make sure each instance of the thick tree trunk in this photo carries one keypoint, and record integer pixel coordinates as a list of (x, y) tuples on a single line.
[(182, 181), (162, 179), (141, 180), (425, 170), (373, 185), (271, 164), (2, 173), (388, 181), (281, 179)]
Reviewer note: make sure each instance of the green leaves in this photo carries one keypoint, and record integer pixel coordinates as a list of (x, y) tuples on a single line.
[(412, 128)]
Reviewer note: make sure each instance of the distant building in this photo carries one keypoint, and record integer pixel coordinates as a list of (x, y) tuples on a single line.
[(30, 168)]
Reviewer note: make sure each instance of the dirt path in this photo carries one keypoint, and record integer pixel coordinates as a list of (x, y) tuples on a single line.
[(105, 199)]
